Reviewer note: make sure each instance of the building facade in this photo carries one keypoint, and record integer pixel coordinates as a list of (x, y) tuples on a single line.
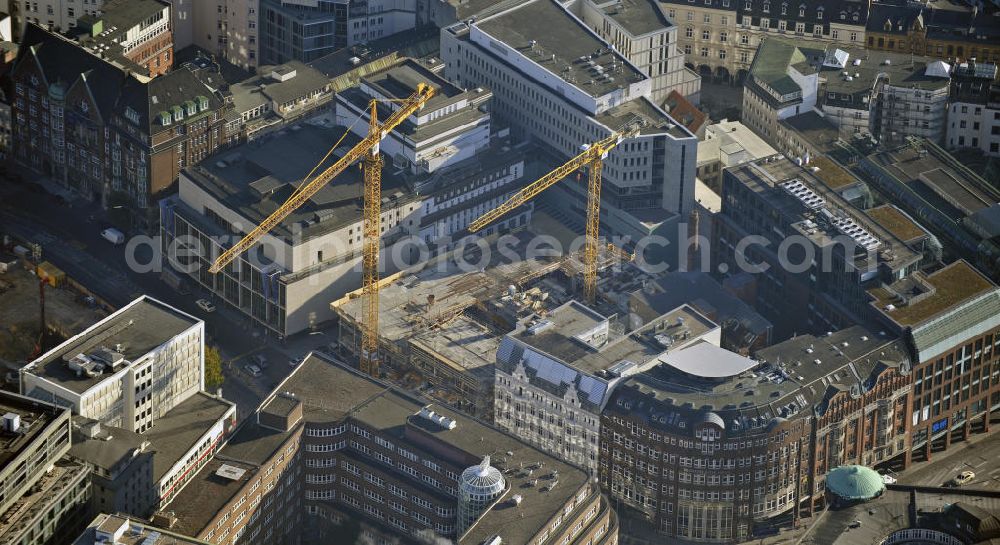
[(554, 376), (114, 137), (974, 108), (777, 199), (685, 445), (126, 371), (558, 83), (306, 31), (949, 33), (45, 494), (642, 33), (955, 362), (721, 37)]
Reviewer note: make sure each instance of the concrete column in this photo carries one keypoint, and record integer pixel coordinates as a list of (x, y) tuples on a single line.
[(907, 458), (947, 437), (966, 430), (927, 451)]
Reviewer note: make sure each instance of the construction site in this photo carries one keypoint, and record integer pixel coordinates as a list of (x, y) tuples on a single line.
[(66, 312), (440, 323)]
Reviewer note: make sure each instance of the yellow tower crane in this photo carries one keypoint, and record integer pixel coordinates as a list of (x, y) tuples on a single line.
[(367, 149), (593, 157)]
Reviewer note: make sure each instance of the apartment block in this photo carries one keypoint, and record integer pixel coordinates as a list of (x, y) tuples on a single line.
[(555, 374), (560, 84), (128, 370), (56, 15), (110, 135), (721, 37), (974, 108), (641, 31), (44, 494), (711, 446)]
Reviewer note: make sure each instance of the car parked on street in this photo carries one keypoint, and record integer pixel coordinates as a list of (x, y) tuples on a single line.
[(963, 478), (206, 305), (252, 370)]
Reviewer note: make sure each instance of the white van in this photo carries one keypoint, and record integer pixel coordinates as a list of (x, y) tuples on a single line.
[(114, 236)]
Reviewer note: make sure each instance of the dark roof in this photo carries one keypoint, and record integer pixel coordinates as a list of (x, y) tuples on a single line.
[(115, 87), (139, 327)]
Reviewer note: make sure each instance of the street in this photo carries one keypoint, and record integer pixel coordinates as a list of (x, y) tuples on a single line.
[(981, 456), (71, 240)]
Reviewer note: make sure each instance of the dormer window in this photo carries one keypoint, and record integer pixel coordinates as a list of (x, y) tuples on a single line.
[(165, 118), (819, 14), (767, 7), (802, 10), (203, 102), (178, 113), (191, 107), (784, 8)]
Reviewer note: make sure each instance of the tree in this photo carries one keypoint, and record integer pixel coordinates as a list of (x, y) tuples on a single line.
[(213, 368)]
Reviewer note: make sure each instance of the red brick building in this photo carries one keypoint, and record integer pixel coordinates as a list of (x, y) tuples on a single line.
[(113, 136)]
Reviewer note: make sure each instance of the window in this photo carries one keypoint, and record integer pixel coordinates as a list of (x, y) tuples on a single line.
[(704, 52), (725, 20), (722, 54), (687, 49), (707, 19), (689, 32), (854, 36), (706, 35), (690, 16), (723, 37), (744, 39), (819, 14), (767, 7)]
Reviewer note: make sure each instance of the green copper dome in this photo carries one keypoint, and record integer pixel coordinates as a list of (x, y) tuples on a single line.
[(854, 483)]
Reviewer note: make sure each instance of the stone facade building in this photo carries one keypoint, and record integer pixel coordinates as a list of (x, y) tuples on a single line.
[(114, 137), (720, 37)]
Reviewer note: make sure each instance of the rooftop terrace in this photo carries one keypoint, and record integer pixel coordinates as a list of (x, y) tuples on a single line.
[(913, 301)]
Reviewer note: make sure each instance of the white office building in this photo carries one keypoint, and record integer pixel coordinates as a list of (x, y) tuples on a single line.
[(641, 31), (560, 84), (125, 371)]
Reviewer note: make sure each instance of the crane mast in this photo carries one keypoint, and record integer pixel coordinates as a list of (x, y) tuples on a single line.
[(408, 107), (372, 167), (366, 150), (592, 157)]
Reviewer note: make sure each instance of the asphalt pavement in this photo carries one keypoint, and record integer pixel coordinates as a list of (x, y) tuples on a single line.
[(69, 229)]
